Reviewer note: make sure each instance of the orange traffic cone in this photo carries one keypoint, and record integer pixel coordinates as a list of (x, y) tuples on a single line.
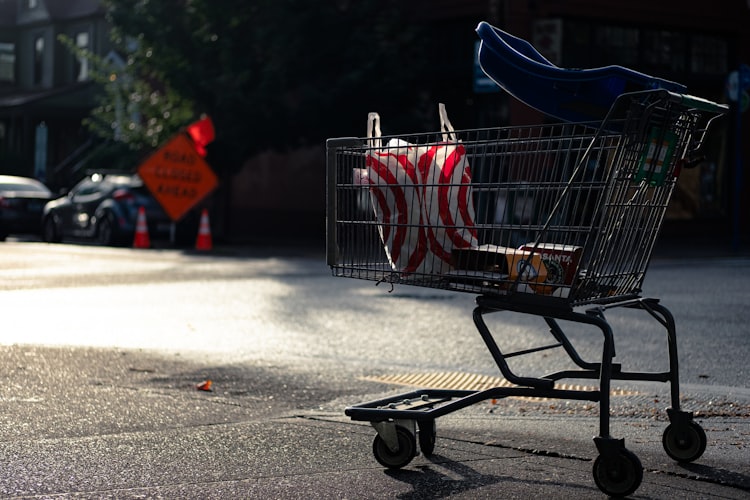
[(141, 239), (203, 241)]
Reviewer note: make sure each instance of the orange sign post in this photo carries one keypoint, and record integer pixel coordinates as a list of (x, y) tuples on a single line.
[(177, 176)]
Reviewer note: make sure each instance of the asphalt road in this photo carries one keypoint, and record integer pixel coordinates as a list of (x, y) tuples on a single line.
[(103, 350), (284, 305)]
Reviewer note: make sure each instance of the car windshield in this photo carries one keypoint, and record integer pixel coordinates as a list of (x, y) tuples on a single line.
[(124, 180), (27, 185)]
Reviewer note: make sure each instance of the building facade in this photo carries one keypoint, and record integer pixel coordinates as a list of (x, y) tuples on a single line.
[(46, 91)]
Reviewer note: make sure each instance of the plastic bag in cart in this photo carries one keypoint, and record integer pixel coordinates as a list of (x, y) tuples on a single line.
[(422, 198), (393, 184)]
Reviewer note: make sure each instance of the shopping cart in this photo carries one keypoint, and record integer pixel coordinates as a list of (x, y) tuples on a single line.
[(560, 223)]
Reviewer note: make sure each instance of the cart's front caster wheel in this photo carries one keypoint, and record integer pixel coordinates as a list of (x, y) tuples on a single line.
[(427, 435), (618, 475), (684, 442), (407, 449)]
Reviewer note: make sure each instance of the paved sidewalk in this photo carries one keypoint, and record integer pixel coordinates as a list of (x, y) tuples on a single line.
[(84, 423)]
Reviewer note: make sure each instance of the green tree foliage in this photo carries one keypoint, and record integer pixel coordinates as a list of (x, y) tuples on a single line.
[(135, 112), (275, 74)]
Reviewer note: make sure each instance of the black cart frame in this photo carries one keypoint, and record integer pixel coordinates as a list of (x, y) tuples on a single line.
[(585, 200)]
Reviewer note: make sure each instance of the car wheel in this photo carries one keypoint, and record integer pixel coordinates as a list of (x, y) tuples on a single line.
[(50, 231), (105, 231)]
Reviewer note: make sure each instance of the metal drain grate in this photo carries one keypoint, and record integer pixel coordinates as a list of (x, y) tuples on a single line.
[(470, 381)]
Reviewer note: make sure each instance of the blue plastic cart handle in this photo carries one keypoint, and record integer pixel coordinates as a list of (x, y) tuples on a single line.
[(568, 94)]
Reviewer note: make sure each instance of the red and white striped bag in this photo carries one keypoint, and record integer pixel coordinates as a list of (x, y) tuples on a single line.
[(394, 191), (422, 198), (447, 205)]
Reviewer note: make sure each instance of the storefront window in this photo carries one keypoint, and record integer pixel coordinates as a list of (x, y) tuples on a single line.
[(7, 63), (618, 43), (664, 51), (38, 60), (708, 55), (81, 64)]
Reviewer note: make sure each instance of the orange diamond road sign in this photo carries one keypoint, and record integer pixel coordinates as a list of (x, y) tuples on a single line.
[(177, 176)]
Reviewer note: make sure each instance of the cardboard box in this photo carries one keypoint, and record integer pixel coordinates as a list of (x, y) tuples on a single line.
[(561, 262), (510, 262)]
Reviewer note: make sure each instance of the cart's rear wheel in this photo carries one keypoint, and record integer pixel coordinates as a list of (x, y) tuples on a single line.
[(618, 475), (684, 442), (427, 435), (407, 449)]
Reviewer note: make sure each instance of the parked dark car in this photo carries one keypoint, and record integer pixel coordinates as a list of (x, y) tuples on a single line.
[(104, 208), (21, 202)]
